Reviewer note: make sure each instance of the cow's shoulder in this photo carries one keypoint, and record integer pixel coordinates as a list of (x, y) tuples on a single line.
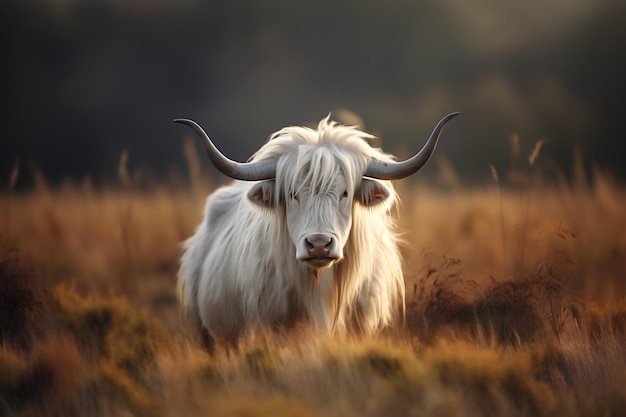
[(220, 203)]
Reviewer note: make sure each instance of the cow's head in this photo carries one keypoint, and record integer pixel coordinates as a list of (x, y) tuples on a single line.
[(318, 182), (317, 187)]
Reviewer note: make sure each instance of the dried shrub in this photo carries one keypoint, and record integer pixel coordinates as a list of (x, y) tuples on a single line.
[(49, 376), (109, 329), (511, 312), (383, 364), (12, 367), (618, 323), (492, 382), (437, 300), (120, 388), (602, 321), (507, 313), (551, 365), (262, 358), (21, 307), (273, 405), (443, 308)]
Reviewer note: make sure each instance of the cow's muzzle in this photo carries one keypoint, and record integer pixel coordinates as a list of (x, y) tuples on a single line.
[(318, 250)]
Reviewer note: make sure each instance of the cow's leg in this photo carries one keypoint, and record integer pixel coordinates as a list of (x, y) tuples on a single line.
[(207, 341)]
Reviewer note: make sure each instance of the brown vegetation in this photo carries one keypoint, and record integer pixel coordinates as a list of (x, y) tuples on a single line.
[(516, 305)]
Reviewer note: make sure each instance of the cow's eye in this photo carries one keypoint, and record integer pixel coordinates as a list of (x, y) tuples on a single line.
[(294, 196), (345, 194)]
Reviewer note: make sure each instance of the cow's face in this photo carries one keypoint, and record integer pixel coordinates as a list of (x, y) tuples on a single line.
[(319, 219)]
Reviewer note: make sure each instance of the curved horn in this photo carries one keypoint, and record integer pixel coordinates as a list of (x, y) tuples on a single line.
[(245, 171), (398, 170)]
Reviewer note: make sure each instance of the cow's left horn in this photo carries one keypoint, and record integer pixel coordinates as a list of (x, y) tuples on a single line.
[(245, 171), (398, 170)]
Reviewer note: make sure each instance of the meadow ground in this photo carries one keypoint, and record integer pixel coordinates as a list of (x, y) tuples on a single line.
[(516, 305)]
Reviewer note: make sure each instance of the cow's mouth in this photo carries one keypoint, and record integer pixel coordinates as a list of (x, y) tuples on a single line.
[(320, 262)]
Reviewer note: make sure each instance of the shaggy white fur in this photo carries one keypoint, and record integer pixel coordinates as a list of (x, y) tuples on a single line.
[(239, 271)]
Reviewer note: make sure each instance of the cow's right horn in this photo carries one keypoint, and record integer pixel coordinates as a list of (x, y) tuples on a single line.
[(398, 170), (245, 171)]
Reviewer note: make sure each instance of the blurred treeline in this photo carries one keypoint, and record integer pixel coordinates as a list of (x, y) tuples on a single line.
[(85, 80)]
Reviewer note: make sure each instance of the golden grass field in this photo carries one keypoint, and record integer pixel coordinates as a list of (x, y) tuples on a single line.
[(515, 307)]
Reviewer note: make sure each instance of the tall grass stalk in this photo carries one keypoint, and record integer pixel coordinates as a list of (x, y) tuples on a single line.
[(505, 259), (125, 214), (528, 189), (15, 172)]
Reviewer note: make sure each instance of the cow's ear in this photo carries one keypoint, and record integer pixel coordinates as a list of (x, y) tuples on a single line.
[(371, 193), (262, 193)]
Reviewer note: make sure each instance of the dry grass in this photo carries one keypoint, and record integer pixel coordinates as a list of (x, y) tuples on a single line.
[(516, 306)]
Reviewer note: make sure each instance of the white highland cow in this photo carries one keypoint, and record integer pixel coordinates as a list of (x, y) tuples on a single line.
[(304, 233)]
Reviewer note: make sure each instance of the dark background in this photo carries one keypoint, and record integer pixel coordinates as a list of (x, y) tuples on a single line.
[(83, 81)]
